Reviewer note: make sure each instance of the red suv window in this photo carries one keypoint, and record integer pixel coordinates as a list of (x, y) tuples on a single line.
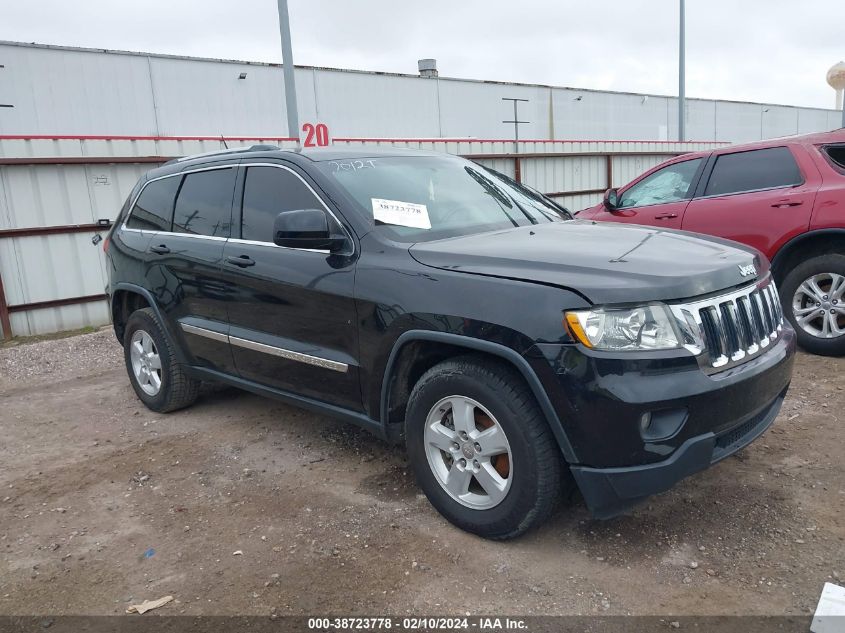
[(836, 154), (753, 170)]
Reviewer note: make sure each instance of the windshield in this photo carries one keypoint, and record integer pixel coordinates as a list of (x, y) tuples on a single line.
[(422, 198)]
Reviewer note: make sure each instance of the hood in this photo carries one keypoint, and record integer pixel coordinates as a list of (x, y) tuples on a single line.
[(604, 262)]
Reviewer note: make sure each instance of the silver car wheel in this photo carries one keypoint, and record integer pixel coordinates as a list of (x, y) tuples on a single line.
[(817, 305), (146, 363), (468, 452)]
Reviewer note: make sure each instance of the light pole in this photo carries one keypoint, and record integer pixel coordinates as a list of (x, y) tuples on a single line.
[(288, 69), (681, 77)]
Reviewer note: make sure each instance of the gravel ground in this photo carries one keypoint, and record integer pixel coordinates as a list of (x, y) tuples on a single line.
[(59, 359), (242, 505)]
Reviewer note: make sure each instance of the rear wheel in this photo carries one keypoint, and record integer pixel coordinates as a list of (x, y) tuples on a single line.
[(812, 296), (158, 380), (481, 449)]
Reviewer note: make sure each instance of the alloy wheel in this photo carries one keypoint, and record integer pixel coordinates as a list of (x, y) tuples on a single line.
[(146, 362), (817, 305), (468, 452)]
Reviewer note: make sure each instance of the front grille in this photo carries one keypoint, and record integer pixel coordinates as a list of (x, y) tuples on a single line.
[(735, 327)]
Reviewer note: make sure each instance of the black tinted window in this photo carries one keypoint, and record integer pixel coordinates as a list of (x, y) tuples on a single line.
[(154, 208), (268, 192), (757, 169), (204, 204), (836, 153)]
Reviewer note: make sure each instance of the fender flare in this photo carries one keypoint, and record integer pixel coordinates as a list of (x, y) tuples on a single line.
[(506, 353), (129, 287), (784, 250)]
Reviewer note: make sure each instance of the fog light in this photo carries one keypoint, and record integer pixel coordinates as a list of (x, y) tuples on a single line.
[(661, 425)]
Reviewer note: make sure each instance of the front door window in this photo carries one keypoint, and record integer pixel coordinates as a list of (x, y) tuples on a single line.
[(670, 184)]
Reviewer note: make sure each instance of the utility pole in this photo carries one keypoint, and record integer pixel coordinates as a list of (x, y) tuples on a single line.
[(287, 67), (517, 169), (682, 78), (515, 120)]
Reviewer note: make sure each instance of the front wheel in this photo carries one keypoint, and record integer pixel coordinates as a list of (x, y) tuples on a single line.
[(480, 448), (813, 301)]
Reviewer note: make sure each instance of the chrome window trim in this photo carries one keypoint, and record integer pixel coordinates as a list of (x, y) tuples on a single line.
[(240, 240), (237, 240), (308, 359), (196, 236)]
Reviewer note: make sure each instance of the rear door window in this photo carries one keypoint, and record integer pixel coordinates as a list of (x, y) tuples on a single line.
[(670, 184), (204, 203), (153, 211), (269, 191), (753, 170)]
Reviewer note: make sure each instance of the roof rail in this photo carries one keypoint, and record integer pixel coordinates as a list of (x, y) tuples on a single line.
[(231, 150)]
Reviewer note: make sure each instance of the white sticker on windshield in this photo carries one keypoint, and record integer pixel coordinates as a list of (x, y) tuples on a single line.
[(401, 213)]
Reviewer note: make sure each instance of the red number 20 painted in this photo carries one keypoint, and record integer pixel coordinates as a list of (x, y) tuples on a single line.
[(315, 135)]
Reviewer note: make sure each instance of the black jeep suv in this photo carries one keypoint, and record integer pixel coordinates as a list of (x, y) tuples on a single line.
[(431, 300)]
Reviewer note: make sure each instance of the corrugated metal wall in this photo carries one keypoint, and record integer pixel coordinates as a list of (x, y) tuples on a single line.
[(61, 266), (49, 267), (76, 91)]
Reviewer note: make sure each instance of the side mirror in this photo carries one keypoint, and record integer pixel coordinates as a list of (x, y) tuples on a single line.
[(305, 228), (611, 200)]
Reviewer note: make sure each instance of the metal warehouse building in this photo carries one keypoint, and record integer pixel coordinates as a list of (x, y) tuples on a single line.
[(79, 126), (65, 91)]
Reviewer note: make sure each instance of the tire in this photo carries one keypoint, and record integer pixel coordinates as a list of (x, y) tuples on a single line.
[(175, 389), (821, 332), (530, 468)]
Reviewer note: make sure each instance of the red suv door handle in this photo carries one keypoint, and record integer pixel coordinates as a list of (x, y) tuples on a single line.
[(665, 216), (788, 203)]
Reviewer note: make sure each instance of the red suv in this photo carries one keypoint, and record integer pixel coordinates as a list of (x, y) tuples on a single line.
[(785, 197)]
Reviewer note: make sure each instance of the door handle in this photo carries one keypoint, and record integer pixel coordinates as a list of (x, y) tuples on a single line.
[(161, 249), (788, 203), (665, 216), (243, 261)]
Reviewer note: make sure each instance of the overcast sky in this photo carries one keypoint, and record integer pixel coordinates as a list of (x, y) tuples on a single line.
[(750, 50)]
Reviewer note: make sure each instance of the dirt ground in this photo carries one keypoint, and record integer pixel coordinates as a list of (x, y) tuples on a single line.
[(242, 505)]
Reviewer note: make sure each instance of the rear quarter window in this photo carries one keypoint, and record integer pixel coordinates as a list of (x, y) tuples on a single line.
[(836, 155), (753, 170), (153, 211)]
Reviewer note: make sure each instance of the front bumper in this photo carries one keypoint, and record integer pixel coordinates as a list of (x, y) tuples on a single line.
[(601, 399), (610, 491)]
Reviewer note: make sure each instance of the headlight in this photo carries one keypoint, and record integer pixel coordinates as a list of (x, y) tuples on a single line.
[(646, 327)]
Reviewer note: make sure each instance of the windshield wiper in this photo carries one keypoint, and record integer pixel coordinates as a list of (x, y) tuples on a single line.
[(531, 192), (484, 182), (500, 198), (547, 199)]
